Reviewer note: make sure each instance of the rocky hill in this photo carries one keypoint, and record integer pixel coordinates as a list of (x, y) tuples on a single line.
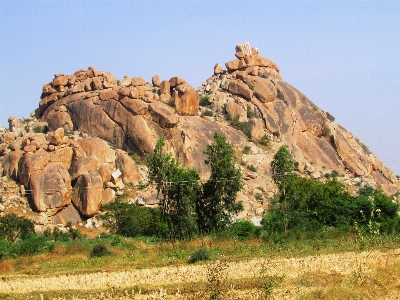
[(74, 152)]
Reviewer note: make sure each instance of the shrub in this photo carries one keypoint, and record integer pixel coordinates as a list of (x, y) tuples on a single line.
[(13, 227), (250, 86), (100, 250), (326, 131), (330, 117), (252, 168), (170, 103), (243, 229), (242, 126), (33, 245), (204, 101), (264, 140), (132, 221), (136, 157), (208, 113), (246, 150), (250, 113), (40, 129), (202, 254), (279, 94)]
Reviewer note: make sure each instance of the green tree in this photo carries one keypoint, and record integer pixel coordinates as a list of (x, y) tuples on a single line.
[(217, 202), (13, 227), (132, 220), (282, 173), (177, 190)]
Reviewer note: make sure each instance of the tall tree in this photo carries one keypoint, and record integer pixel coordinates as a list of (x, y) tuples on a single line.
[(282, 173), (218, 200), (177, 190)]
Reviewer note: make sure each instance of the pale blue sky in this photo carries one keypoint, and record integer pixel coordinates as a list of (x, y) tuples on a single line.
[(343, 55)]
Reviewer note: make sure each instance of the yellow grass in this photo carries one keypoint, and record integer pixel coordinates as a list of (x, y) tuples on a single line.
[(371, 274)]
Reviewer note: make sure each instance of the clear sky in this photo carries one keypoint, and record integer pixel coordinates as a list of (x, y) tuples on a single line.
[(343, 55)]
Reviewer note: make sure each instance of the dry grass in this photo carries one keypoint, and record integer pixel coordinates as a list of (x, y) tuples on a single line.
[(350, 275)]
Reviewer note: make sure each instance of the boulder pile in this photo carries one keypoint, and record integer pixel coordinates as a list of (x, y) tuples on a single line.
[(75, 151)]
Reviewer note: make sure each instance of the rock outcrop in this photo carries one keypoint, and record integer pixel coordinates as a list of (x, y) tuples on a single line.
[(93, 120)]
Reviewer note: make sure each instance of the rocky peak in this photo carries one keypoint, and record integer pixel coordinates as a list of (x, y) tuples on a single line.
[(93, 120)]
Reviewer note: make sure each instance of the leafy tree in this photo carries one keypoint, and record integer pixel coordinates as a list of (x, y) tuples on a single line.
[(282, 173), (13, 227), (177, 190), (132, 220), (218, 199)]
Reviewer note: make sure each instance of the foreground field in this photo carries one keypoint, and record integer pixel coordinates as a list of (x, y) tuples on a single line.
[(350, 275)]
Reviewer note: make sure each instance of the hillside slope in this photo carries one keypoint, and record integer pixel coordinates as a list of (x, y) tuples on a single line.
[(94, 119)]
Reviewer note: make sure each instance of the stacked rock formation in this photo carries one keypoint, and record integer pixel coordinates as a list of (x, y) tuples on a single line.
[(93, 119), (253, 83)]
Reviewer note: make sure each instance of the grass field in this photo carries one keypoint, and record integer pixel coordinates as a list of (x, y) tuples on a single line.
[(253, 269)]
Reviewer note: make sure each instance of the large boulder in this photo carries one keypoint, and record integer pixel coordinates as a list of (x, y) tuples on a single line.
[(97, 149), (16, 126), (10, 163), (236, 111), (29, 163), (241, 89), (82, 166), (261, 61), (163, 114), (264, 89), (129, 169), (186, 100), (88, 193), (51, 188)]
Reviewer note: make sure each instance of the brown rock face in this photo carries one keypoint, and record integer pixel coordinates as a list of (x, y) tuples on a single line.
[(258, 60), (165, 87), (129, 169), (155, 80), (56, 137), (29, 163), (235, 110), (163, 114), (241, 89), (186, 100), (264, 89), (82, 166), (51, 188), (88, 193), (217, 69), (10, 163), (256, 128)]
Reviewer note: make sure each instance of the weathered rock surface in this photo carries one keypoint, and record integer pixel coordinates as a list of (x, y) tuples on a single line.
[(88, 193), (51, 188), (93, 120)]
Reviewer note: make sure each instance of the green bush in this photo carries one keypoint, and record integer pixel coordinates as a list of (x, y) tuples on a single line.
[(136, 157), (243, 229), (246, 150), (242, 126), (279, 94), (40, 129), (252, 168), (13, 227), (33, 245), (100, 250), (132, 220), (208, 113), (264, 140), (250, 113), (204, 101), (202, 254)]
